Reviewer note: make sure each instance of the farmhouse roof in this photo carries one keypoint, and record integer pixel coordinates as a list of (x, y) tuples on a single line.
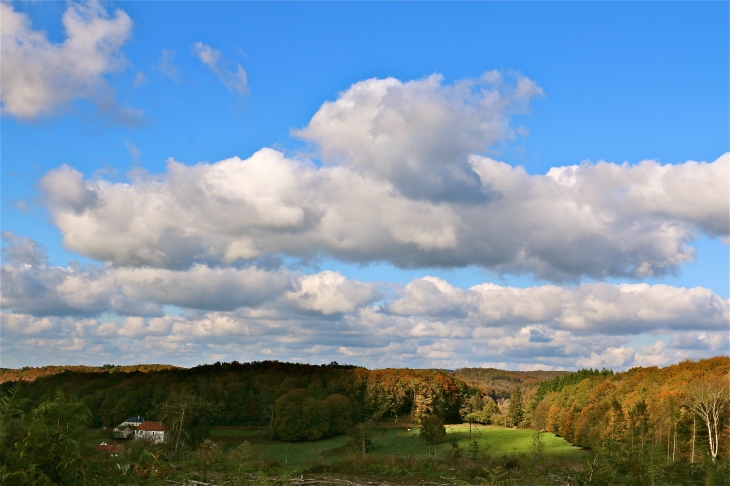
[(152, 426)]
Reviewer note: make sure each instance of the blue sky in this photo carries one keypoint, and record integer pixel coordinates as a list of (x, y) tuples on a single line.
[(613, 82)]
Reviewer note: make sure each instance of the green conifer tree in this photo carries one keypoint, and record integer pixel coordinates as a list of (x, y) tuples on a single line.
[(516, 410)]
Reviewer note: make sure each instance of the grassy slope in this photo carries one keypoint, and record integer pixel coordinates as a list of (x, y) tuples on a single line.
[(400, 442)]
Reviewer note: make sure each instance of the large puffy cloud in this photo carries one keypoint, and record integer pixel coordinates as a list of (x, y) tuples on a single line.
[(331, 293), (402, 182), (238, 210), (39, 76), (587, 308), (418, 135), (600, 219), (596, 220)]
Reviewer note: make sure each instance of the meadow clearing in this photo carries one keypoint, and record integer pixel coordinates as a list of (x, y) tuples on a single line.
[(402, 441)]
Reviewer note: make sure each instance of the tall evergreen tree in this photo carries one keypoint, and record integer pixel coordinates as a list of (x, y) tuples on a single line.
[(516, 411)]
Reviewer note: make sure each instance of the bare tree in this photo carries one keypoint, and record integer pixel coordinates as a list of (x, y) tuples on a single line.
[(708, 400), (361, 436), (178, 411)]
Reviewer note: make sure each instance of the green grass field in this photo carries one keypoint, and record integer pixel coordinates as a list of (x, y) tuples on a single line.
[(500, 441), (404, 441), (493, 440), (300, 453)]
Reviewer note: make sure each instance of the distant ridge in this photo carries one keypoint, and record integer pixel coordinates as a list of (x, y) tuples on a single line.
[(483, 376), (28, 373), (495, 376)]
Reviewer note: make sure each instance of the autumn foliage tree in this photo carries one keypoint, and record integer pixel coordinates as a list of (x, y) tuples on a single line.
[(478, 409)]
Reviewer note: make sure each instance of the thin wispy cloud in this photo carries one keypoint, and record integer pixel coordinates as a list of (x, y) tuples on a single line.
[(167, 66), (140, 79), (235, 78)]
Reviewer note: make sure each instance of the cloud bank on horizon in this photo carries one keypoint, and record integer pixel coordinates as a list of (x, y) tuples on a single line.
[(276, 312), (196, 260)]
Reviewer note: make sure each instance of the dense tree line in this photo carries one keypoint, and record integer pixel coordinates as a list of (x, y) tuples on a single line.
[(300, 416), (559, 382)]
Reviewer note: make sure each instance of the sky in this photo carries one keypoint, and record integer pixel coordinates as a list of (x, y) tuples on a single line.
[(428, 185)]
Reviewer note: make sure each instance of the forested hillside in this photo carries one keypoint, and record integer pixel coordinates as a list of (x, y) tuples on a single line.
[(263, 394), (294, 401), (681, 409)]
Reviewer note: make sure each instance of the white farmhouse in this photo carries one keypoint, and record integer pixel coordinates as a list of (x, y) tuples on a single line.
[(151, 431)]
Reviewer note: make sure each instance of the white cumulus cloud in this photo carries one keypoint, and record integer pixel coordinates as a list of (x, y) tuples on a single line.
[(332, 293), (587, 308), (593, 222), (418, 134), (402, 182), (39, 76)]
